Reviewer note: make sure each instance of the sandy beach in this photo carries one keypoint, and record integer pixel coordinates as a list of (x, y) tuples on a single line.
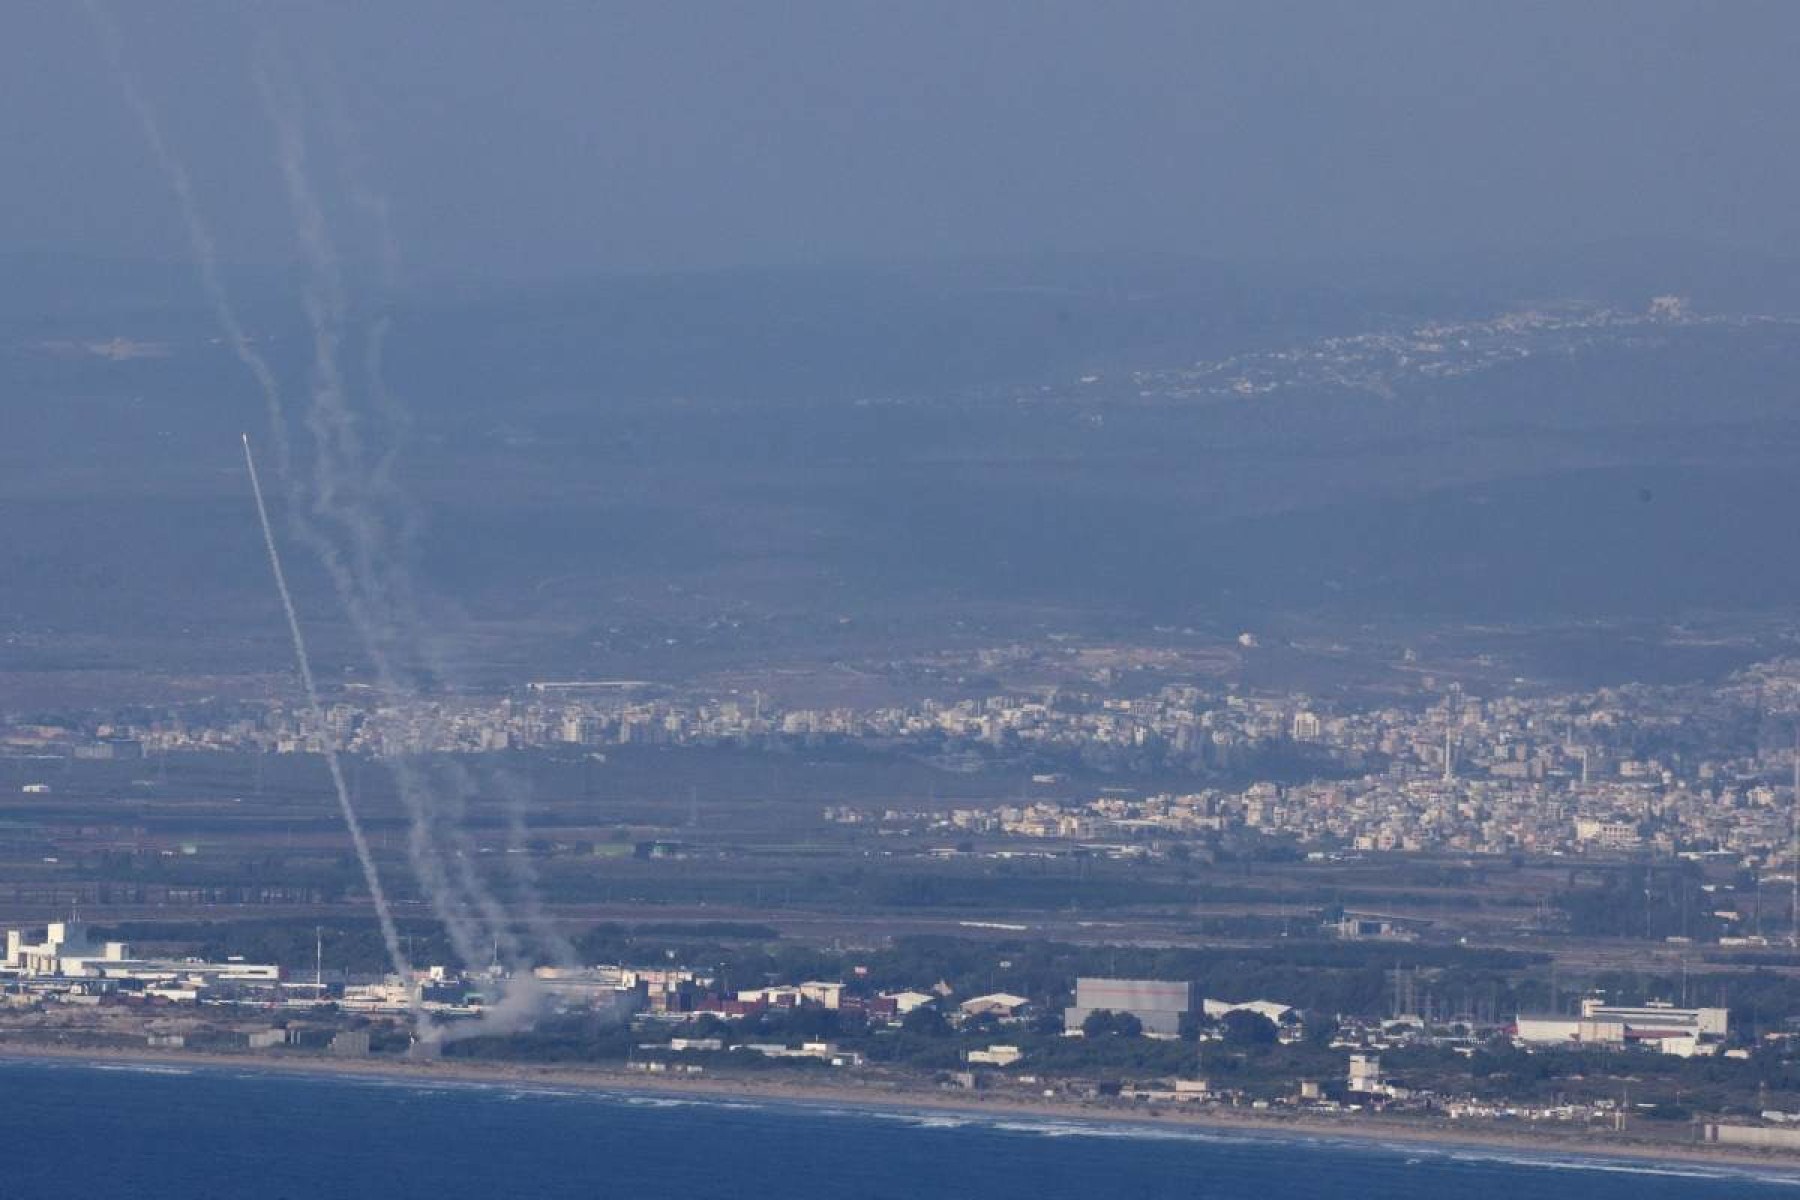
[(891, 1095)]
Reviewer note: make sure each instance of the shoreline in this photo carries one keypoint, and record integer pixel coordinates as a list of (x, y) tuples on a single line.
[(890, 1096)]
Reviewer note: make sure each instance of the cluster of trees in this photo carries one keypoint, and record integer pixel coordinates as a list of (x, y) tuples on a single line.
[(1328, 977), (1642, 901), (1239, 1028), (871, 886), (565, 1039)]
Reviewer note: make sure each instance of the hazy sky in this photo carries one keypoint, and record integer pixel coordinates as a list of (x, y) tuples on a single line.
[(531, 138)]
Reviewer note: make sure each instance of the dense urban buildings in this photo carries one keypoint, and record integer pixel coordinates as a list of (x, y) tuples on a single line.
[(1640, 770)]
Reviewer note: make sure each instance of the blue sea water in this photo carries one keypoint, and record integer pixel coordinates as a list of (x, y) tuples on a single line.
[(100, 1131)]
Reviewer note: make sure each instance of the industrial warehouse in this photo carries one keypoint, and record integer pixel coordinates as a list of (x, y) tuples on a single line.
[(1685, 1032), (67, 961)]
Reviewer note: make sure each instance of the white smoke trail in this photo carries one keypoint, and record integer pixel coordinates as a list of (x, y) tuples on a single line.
[(205, 254), (206, 260), (396, 422), (390, 936), (359, 576), (377, 589), (517, 796), (357, 552)]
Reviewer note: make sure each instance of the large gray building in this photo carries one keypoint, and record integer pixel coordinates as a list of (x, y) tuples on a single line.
[(1158, 1003)]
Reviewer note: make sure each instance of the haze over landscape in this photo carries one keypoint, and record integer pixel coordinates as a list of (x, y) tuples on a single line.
[(1278, 517), (816, 339)]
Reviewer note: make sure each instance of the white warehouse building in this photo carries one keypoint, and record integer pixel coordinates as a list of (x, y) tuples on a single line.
[(65, 950), (67, 953), (1681, 1031)]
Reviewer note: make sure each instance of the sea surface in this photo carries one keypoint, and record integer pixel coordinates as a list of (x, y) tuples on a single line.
[(101, 1131)]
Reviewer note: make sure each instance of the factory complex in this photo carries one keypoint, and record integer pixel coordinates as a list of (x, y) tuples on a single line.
[(66, 961)]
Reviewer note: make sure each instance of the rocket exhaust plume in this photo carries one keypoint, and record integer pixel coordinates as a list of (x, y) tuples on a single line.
[(358, 522), (353, 491), (371, 877)]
